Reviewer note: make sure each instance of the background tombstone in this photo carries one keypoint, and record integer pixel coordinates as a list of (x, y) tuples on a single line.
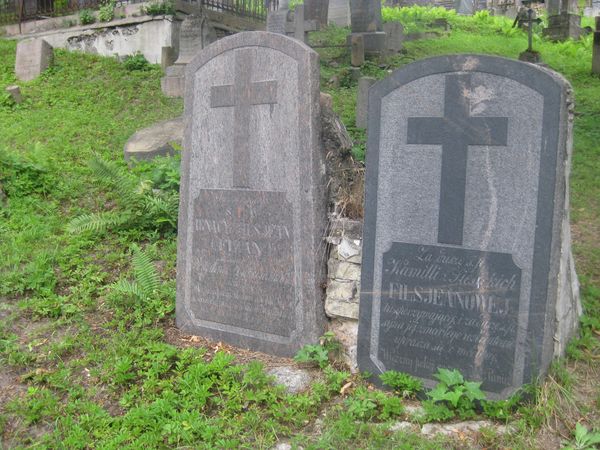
[(33, 57), (252, 220), (596, 49), (466, 259), (394, 32), (365, 16), (278, 19), (564, 21), (339, 12), (317, 10), (362, 100), (195, 34)]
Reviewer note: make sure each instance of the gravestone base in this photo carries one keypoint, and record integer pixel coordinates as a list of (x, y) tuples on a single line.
[(562, 27), (375, 42), (173, 84), (530, 57)]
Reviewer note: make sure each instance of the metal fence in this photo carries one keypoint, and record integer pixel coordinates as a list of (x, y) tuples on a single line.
[(17, 11), (246, 8)]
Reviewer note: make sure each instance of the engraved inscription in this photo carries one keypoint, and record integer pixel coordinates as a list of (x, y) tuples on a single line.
[(243, 264), (449, 307)]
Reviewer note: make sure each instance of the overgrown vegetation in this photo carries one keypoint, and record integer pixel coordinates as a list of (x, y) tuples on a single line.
[(88, 352)]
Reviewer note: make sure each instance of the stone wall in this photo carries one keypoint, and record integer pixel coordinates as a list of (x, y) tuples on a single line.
[(343, 283)]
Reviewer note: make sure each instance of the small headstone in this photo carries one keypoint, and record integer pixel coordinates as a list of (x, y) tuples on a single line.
[(465, 7), (357, 56), (366, 21), (33, 57), (167, 57), (158, 140), (277, 19), (466, 259), (362, 100), (251, 254), (317, 10), (339, 12), (596, 49), (394, 32), (15, 93), (195, 34)]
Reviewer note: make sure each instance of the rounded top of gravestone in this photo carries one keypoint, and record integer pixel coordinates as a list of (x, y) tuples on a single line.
[(291, 47), (532, 75)]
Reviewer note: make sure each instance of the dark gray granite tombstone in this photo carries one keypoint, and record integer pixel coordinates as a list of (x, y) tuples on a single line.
[(252, 218), (365, 18), (466, 260)]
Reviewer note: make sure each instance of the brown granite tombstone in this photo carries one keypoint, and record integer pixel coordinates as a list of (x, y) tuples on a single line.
[(252, 220)]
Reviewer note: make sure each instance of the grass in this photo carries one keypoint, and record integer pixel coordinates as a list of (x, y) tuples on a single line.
[(84, 366)]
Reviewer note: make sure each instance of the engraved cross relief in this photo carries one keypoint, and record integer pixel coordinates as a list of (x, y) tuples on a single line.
[(242, 95), (455, 132)]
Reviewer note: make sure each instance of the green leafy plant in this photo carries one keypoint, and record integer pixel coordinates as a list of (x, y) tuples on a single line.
[(146, 278), (106, 12), (164, 8), (584, 439), (456, 393), (136, 62), (60, 5), (321, 354), (140, 206), (86, 17), (313, 354), (402, 383)]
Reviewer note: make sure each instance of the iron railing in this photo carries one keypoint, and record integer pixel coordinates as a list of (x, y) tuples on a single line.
[(17, 11)]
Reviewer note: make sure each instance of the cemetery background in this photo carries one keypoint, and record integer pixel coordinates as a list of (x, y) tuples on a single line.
[(82, 363)]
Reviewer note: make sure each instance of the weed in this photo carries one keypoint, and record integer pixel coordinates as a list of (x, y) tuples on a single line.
[(142, 207), (402, 383), (456, 393), (584, 439), (106, 12), (136, 62), (86, 17), (160, 8)]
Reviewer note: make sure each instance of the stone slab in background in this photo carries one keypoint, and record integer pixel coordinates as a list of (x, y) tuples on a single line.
[(251, 250), (156, 140), (195, 33), (33, 57), (339, 12), (466, 259), (15, 93), (362, 100)]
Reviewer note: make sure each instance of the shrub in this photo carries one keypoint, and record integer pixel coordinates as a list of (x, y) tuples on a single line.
[(86, 17), (136, 62), (106, 13), (166, 8)]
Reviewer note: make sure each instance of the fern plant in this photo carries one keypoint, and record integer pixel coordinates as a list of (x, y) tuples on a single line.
[(146, 281), (139, 205)]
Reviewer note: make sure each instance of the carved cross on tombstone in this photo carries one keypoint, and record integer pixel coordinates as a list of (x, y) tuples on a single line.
[(455, 132), (300, 27), (242, 95)]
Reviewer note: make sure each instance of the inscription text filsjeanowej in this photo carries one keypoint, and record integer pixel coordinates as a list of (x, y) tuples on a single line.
[(244, 265), (441, 304)]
